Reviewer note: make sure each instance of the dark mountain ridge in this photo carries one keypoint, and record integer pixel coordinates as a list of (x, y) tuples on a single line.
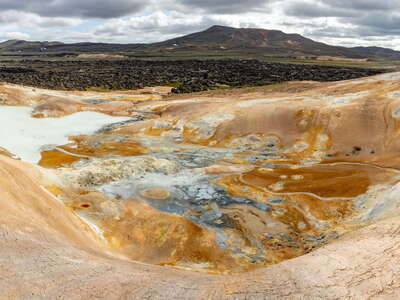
[(378, 52), (219, 38), (273, 41), (27, 46)]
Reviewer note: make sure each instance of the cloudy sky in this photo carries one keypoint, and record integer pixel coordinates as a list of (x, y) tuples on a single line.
[(339, 22)]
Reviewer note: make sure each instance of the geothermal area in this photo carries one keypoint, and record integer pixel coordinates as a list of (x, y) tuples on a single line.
[(284, 191)]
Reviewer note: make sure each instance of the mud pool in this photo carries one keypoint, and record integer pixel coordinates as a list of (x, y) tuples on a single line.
[(260, 212)]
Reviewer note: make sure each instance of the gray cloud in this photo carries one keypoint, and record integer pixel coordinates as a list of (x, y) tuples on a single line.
[(159, 26), (378, 23), (316, 10), (353, 17), (75, 8), (363, 5), (334, 21), (340, 8), (227, 6)]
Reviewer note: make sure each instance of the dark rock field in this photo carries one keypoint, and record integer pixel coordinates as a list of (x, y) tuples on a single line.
[(186, 76)]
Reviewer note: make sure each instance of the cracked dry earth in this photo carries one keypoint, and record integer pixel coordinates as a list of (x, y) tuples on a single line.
[(290, 191)]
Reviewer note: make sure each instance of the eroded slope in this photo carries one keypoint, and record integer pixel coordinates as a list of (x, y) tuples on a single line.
[(221, 185)]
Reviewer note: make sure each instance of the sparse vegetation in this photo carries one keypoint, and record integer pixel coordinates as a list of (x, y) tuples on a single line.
[(174, 84), (98, 89)]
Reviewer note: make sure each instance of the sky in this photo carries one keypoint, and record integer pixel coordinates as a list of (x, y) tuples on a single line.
[(338, 22)]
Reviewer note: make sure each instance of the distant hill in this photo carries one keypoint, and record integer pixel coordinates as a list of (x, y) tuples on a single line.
[(95, 47), (378, 52), (25, 46), (272, 41), (17, 45), (216, 38)]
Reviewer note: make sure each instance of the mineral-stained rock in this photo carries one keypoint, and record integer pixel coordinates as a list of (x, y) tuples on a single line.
[(100, 172), (5, 152), (289, 193), (156, 194), (221, 169)]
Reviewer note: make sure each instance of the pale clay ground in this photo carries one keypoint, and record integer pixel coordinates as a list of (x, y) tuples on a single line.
[(47, 252)]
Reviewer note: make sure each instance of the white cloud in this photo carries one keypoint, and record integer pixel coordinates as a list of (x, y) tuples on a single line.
[(342, 22), (15, 35), (75, 8), (29, 20)]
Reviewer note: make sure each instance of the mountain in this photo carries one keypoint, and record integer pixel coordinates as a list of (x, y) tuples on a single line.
[(216, 39), (17, 45), (378, 52), (25, 46), (271, 41), (95, 47)]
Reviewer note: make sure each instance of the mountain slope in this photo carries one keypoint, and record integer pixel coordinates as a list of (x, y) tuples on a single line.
[(273, 41), (20, 45), (378, 52), (216, 38), (17, 45)]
